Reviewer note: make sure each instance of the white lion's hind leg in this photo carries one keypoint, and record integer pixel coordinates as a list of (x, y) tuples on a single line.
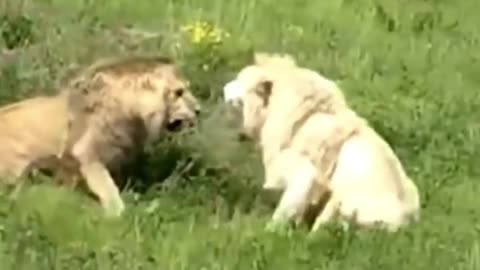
[(296, 196), (327, 214)]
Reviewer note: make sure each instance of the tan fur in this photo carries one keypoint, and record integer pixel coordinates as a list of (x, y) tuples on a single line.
[(30, 130), (307, 134), (91, 128)]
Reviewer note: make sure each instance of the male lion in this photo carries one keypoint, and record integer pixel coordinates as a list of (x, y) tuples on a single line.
[(92, 127), (314, 147)]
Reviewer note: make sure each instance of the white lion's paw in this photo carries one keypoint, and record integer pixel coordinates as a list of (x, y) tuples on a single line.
[(345, 225), (278, 227)]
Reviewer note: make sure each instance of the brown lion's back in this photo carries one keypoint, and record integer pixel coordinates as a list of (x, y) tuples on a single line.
[(125, 66), (31, 129)]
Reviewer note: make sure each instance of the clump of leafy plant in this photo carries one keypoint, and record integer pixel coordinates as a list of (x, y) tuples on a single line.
[(16, 31)]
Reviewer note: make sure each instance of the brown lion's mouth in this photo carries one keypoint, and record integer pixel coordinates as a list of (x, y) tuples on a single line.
[(175, 125), (178, 124)]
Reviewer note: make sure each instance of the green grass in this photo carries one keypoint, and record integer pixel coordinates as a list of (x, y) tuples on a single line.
[(410, 67)]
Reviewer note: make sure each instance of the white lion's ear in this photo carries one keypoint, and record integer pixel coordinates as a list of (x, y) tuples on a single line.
[(276, 59), (264, 90), (260, 58)]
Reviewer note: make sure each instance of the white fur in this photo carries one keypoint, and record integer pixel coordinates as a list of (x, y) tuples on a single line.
[(233, 92), (333, 149), (369, 186)]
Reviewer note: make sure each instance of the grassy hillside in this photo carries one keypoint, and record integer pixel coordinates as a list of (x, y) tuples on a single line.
[(410, 67)]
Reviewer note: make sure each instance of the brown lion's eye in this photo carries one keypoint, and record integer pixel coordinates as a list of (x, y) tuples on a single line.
[(178, 92)]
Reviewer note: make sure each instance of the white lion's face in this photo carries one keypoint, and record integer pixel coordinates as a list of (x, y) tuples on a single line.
[(249, 92), (247, 79)]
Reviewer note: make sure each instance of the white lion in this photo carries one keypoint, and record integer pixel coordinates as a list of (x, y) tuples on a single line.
[(313, 146)]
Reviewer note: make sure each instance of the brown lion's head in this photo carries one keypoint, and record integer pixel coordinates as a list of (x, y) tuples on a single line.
[(149, 89), (183, 107), (166, 101)]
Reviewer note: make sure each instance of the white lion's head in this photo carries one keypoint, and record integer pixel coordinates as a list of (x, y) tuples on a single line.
[(277, 92), (251, 90)]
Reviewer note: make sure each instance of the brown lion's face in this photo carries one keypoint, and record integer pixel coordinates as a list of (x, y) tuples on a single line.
[(183, 108), (166, 103)]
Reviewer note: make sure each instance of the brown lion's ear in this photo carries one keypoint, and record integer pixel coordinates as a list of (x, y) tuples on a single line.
[(146, 83), (264, 90)]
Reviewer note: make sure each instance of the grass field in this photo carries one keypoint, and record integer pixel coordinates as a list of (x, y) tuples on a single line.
[(408, 66)]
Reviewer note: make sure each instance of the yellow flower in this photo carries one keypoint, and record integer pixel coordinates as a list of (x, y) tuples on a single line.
[(204, 32)]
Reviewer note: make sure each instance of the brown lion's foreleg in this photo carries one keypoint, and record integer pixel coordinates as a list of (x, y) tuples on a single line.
[(100, 182), (96, 175)]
